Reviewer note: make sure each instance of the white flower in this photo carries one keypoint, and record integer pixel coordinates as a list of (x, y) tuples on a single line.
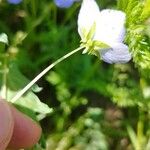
[(109, 29)]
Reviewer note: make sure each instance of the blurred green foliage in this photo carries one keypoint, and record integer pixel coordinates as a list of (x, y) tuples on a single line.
[(96, 106)]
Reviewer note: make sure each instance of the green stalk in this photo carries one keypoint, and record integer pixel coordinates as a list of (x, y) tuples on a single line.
[(28, 86), (140, 131), (5, 76)]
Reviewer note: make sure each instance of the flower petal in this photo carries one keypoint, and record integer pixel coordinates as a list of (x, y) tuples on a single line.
[(63, 3), (110, 26), (14, 1), (119, 53), (88, 14)]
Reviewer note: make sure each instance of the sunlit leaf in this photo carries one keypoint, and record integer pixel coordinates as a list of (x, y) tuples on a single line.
[(4, 38)]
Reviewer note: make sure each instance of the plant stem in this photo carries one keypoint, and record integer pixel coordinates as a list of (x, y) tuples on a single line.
[(140, 129), (28, 86), (5, 77)]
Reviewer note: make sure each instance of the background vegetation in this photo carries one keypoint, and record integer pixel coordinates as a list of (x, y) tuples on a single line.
[(83, 103)]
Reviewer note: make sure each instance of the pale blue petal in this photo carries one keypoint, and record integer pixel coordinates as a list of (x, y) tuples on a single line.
[(110, 26), (64, 3), (14, 1), (88, 15), (119, 53)]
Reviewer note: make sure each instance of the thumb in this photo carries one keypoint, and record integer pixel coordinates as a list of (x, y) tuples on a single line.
[(6, 124)]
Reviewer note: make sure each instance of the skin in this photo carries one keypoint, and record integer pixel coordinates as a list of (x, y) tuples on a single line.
[(16, 129)]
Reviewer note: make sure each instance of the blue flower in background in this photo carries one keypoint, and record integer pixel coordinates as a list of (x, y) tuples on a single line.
[(14, 1), (64, 3)]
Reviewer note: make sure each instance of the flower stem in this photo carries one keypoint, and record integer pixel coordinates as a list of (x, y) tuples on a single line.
[(28, 86)]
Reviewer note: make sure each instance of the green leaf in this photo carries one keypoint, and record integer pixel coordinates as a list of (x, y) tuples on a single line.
[(132, 136), (36, 88), (16, 81), (137, 37), (3, 38), (146, 10), (31, 101), (122, 4), (131, 5), (26, 111), (53, 78)]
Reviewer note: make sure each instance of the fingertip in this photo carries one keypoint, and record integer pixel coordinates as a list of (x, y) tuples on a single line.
[(6, 124), (26, 131)]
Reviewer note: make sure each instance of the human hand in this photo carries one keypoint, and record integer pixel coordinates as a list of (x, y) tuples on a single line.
[(16, 130)]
